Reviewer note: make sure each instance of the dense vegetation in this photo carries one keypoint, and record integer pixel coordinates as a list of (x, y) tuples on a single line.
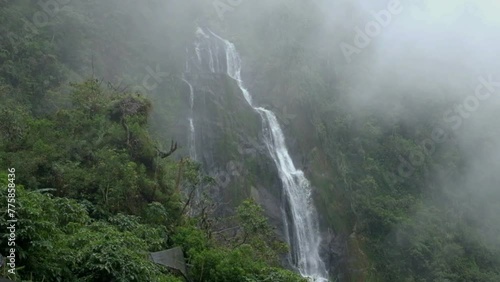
[(409, 211), (95, 196), (95, 193)]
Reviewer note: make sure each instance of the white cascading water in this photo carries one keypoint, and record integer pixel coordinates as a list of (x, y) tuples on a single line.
[(192, 136), (305, 239), (192, 145)]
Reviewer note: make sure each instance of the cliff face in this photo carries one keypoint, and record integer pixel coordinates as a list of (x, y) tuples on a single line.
[(229, 142), (229, 146), (241, 144), (312, 145)]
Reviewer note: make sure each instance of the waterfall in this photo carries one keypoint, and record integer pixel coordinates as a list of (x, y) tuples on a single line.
[(192, 135), (299, 213)]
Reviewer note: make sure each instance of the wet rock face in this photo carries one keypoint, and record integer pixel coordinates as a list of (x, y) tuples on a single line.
[(228, 131), (228, 143), (230, 148), (334, 249), (230, 135)]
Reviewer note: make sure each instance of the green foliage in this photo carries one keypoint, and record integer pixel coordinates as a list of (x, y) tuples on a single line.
[(257, 232), (100, 198), (251, 255), (402, 228), (114, 200), (58, 241), (84, 152), (238, 264)]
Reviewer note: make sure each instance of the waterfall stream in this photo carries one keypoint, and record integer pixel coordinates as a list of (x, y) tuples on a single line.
[(299, 214), (192, 136)]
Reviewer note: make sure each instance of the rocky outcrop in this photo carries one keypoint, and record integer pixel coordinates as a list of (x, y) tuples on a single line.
[(229, 145)]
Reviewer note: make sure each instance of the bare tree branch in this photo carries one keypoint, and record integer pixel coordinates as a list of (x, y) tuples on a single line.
[(173, 148)]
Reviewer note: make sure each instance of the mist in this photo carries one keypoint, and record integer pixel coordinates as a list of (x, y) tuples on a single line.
[(365, 130), (412, 62), (430, 68)]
